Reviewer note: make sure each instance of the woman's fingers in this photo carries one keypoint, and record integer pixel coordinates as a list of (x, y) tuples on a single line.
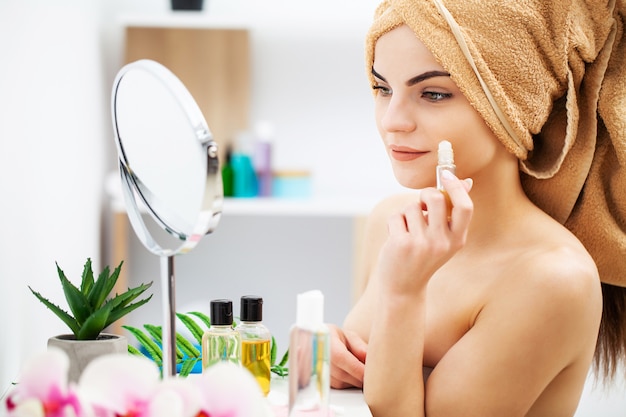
[(462, 205), (347, 359)]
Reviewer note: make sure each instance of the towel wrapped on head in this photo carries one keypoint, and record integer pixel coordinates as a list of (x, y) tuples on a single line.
[(549, 78)]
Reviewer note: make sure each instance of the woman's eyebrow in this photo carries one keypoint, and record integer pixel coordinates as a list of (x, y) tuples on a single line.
[(417, 78)]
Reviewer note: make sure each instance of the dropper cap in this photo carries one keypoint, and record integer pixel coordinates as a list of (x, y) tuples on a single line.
[(310, 309), (445, 154)]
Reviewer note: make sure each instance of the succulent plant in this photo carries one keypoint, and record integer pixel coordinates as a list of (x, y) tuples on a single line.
[(92, 311)]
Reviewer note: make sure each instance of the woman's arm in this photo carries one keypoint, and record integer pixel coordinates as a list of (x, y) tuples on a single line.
[(349, 343), (416, 247), (542, 329)]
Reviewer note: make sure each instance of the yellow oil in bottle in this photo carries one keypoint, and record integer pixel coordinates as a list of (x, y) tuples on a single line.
[(255, 356)]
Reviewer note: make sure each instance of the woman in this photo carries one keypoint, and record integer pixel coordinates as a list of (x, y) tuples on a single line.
[(498, 300)]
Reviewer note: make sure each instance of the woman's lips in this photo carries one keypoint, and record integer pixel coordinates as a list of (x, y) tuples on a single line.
[(402, 153)]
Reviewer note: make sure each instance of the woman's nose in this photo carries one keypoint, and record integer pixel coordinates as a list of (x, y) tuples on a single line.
[(398, 116)]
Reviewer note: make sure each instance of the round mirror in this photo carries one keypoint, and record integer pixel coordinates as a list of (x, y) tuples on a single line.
[(169, 170), (167, 157)]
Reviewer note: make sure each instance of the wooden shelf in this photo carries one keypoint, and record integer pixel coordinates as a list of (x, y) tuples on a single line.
[(211, 60)]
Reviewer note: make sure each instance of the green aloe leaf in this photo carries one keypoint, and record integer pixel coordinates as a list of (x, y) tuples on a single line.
[(78, 303), (87, 278), (89, 310), (118, 313), (122, 300), (103, 286), (62, 314), (94, 324), (97, 293)]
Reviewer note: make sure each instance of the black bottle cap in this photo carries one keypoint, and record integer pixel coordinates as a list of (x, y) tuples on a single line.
[(221, 312), (251, 308)]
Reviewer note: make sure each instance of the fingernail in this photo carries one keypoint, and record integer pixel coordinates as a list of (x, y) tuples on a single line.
[(448, 175)]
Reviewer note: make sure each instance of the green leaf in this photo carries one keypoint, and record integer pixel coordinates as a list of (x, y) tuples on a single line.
[(157, 334), (280, 370), (203, 317), (103, 286), (284, 359), (118, 313), (78, 303), (155, 331), (193, 327), (187, 366), (186, 346), (87, 278), (94, 324), (134, 351), (273, 350), (148, 343), (98, 291), (60, 313), (122, 300)]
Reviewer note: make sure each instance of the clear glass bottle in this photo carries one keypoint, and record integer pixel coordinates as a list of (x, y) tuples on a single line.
[(255, 341), (309, 358), (221, 342)]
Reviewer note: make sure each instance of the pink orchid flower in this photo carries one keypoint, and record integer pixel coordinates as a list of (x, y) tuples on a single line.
[(130, 386), (43, 391), (122, 385), (228, 390)]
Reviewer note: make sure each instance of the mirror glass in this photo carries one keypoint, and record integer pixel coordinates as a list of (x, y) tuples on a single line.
[(169, 171), (168, 159)]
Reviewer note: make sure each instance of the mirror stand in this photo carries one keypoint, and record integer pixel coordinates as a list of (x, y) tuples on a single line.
[(168, 286)]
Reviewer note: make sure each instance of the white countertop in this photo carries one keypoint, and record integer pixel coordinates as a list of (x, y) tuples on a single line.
[(348, 402)]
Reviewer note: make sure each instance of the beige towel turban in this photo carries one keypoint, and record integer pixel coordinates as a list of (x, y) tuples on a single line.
[(549, 78)]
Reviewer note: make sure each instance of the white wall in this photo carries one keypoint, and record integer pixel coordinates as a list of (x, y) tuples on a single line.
[(57, 62), (51, 165)]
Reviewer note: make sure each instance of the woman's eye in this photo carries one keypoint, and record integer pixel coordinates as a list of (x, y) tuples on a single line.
[(381, 89), (435, 96)]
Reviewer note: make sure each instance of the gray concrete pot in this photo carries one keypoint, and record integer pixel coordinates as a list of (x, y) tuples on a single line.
[(81, 352)]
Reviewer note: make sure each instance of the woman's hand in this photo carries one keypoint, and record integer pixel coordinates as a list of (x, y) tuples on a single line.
[(347, 351), (422, 237)]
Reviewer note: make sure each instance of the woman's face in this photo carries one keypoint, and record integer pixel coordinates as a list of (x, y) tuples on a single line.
[(417, 105)]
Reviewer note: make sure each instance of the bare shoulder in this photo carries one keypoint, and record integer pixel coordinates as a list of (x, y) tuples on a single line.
[(540, 317), (562, 264), (557, 281)]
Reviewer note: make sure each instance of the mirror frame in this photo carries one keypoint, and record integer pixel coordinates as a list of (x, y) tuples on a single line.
[(139, 199)]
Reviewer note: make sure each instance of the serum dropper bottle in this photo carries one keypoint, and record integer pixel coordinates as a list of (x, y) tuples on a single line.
[(445, 162)]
